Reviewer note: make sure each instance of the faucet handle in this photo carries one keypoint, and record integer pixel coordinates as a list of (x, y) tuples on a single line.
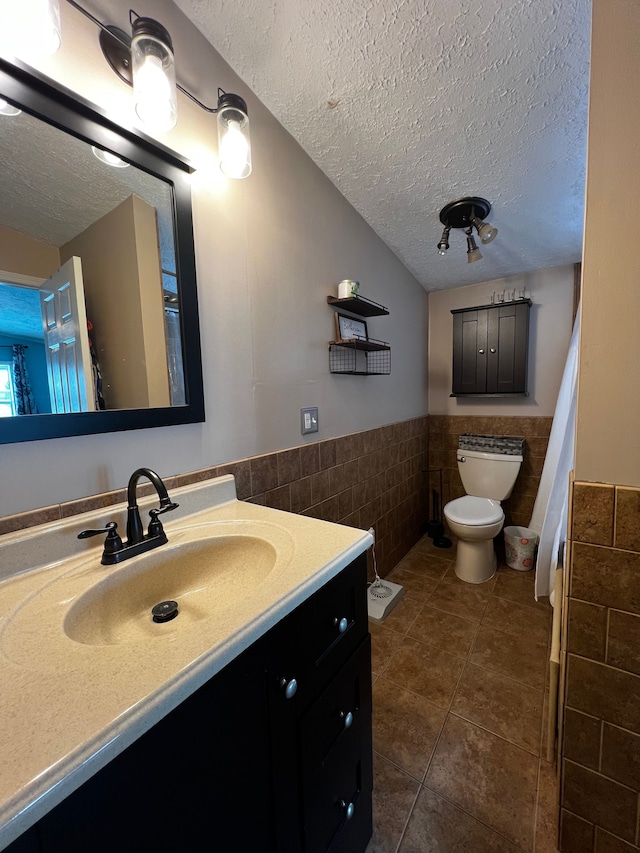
[(155, 525), (112, 543)]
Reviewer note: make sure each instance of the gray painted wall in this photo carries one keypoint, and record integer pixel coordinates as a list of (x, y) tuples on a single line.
[(269, 250)]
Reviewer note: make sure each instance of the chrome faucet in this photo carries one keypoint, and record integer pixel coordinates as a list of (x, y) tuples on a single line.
[(115, 551)]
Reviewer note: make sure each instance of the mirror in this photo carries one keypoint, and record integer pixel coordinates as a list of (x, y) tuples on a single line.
[(98, 303)]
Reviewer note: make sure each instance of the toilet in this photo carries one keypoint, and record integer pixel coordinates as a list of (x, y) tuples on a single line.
[(476, 518)]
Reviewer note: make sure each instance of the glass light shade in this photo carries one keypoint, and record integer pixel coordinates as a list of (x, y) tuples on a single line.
[(473, 252), (7, 109), (154, 75), (109, 158), (486, 231), (31, 28), (234, 141)]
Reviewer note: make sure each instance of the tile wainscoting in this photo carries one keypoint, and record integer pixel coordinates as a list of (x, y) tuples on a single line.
[(601, 736), (444, 432), (375, 478)]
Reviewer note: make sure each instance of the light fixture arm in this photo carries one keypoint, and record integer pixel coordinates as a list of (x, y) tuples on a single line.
[(117, 56)]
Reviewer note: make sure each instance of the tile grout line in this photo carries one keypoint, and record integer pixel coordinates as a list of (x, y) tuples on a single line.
[(536, 807), (426, 602), (406, 823)]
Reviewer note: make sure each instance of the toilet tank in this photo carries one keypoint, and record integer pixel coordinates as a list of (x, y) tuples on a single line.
[(488, 475)]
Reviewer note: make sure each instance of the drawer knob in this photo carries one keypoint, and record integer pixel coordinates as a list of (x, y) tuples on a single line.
[(341, 624), (493, 349), (349, 809), (290, 687), (348, 718), (481, 351)]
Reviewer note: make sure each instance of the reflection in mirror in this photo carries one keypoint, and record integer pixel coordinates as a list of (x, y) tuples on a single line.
[(97, 279), (100, 330)]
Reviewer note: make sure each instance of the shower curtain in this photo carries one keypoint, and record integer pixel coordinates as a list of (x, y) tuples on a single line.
[(549, 519)]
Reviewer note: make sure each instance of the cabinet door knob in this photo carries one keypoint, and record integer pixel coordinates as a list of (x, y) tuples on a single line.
[(290, 687), (348, 718), (493, 349), (481, 351), (341, 624), (349, 809)]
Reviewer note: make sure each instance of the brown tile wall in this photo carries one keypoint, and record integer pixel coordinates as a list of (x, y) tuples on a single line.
[(600, 748), (374, 478), (444, 431)]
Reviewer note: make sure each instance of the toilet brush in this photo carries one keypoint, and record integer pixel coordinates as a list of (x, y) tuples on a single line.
[(435, 528)]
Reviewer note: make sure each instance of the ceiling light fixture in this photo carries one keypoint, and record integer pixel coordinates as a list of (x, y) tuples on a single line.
[(144, 60), (467, 213)]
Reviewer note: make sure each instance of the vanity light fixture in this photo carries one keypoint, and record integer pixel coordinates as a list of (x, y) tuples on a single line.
[(234, 144), (467, 213), (154, 74), (144, 60), (30, 28)]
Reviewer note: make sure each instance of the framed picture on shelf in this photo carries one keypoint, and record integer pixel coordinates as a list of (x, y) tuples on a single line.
[(349, 329)]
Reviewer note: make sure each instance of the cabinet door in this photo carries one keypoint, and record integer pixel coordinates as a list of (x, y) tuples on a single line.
[(508, 344), (470, 352), (198, 780)]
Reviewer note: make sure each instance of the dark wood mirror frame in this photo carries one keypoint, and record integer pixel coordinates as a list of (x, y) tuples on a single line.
[(40, 97)]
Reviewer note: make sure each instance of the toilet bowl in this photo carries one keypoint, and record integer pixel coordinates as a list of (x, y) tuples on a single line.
[(475, 521), (477, 517)]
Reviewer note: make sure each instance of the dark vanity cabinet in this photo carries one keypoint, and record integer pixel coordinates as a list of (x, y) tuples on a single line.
[(322, 736), (490, 346), (272, 754)]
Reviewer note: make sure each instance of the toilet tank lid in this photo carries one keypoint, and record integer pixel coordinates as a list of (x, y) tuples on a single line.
[(495, 457)]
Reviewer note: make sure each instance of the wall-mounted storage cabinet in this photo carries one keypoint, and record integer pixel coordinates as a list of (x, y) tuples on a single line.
[(490, 346), (359, 356)]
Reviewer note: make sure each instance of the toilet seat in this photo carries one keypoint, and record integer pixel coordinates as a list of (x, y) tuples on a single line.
[(474, 511)]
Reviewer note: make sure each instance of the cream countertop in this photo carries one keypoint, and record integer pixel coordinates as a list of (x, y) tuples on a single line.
[(67, 708)]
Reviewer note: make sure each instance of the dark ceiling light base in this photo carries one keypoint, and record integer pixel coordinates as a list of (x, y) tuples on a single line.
[(458, 214)]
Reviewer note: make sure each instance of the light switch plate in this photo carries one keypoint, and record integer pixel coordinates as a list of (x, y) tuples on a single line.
[(309, 420)]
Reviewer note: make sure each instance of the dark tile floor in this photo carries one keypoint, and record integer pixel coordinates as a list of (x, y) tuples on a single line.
[(459, 714)]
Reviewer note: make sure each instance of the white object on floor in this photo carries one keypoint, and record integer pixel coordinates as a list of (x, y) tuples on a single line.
[(382, 597)]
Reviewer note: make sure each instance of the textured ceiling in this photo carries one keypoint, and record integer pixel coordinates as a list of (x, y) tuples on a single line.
[(408, 104), (52, 187)]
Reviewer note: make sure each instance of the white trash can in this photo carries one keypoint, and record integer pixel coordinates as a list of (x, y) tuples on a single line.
[(520, 545)]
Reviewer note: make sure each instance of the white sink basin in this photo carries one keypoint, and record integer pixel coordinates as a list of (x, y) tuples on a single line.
[(203, 577), (210, 570)]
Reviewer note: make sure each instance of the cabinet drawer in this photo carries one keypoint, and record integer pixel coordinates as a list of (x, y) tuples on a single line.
[(339, 617), (313, 642), (337, 775), (337, 718)]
